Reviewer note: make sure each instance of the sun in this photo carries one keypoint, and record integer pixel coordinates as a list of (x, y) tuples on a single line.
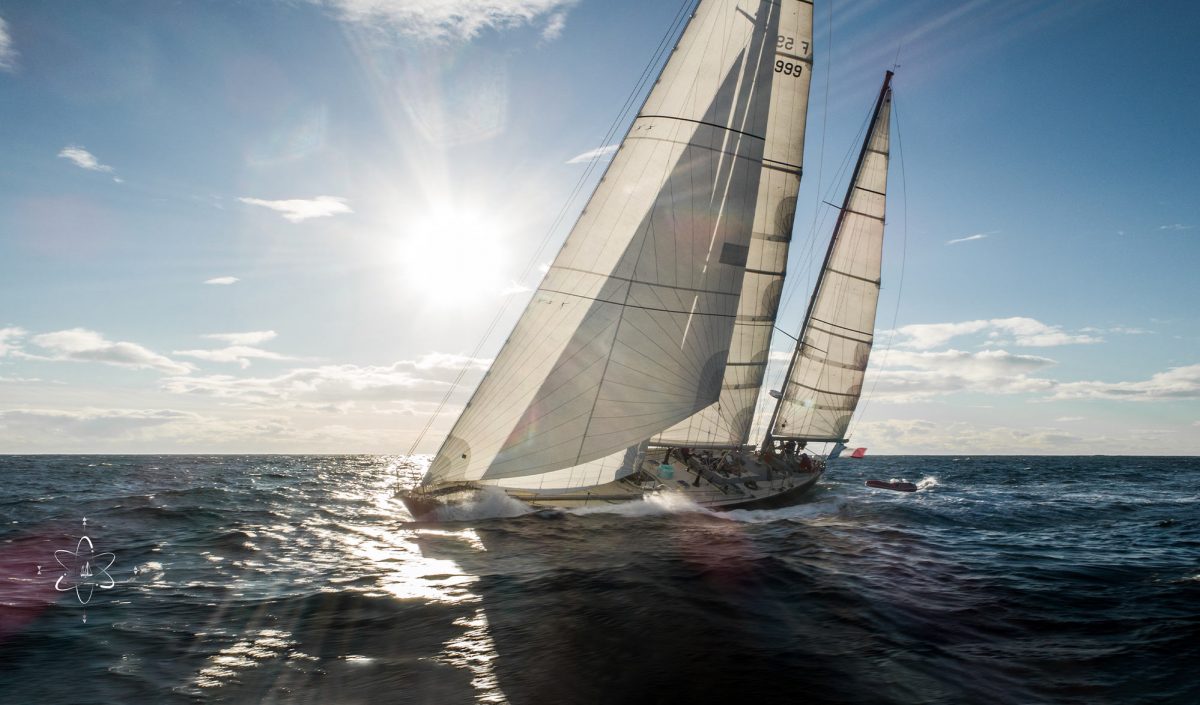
[(454, 257)]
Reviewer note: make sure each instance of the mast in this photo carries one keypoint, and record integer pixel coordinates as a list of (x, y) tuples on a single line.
[(874, 134)]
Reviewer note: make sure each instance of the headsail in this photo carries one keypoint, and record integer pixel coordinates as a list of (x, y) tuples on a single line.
[(629, 330), (824, 379), (728, 421)]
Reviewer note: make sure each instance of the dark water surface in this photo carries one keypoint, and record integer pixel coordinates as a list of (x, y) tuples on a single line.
[(300, 579)]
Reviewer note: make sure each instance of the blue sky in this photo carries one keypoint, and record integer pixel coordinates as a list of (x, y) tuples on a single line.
[(284, 226)]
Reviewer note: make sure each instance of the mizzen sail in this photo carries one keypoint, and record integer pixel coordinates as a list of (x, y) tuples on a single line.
[(824, 379)]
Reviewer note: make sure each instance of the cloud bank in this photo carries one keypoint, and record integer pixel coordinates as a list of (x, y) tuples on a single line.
[(82, 345), (1018, 330)]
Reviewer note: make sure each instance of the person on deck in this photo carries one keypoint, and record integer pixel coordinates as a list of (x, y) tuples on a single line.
[(727, 463), (806, 463)]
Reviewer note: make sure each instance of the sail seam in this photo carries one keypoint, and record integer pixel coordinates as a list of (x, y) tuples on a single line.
[(780, 168), (843, 336), (818, 390), (852, 276), (613, 277), (704, 122), (648, 308), (797, 167), (851, 211), (835, 325), (832, 363)]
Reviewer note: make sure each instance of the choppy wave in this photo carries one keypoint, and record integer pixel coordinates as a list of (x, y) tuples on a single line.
[(302, 579)]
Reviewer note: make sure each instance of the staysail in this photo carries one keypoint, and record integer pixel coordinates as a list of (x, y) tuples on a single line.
[(629, 331), (728, 421), (825, 376)]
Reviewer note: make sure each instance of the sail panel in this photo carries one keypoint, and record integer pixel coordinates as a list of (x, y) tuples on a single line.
[(629, 330), (728, 421), (825, 382), (590, 474)]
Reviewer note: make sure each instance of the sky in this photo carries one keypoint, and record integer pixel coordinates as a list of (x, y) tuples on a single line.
[(286, 226)]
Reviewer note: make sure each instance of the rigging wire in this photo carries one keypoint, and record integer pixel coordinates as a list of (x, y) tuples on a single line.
[(622, 117)]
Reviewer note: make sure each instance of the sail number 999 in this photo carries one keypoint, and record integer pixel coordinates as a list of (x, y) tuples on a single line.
[(788, 68)]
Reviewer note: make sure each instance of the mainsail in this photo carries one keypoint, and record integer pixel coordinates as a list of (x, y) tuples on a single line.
[(630, 329), (825, 376), (728, 421)]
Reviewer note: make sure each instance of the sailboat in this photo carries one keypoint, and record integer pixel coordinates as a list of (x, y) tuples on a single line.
[(636, 368)]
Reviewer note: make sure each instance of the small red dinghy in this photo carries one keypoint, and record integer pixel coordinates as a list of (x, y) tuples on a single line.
[(896, 485)]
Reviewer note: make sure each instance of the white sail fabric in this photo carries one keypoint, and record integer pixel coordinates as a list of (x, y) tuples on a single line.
[(728, 421), (826, 376), (629, 330), (589, 474)]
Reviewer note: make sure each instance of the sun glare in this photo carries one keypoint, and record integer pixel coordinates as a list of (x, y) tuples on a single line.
[(454, 258)]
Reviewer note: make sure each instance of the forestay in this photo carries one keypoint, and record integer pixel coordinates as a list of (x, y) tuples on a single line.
[(728, 422), (825, 378), (629, 330)]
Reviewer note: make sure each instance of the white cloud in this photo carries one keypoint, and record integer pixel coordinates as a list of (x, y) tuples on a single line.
[(920, 436), (83, 159), (240, 349), (9, 338), (1069, 419), (296, 210), (442, 20), (1175, 226), (924, 336), (969, 238), (1117, 330), (1175, 383), (1018, 330), (253, 337), (913, 376), (81, 345), (422, 380), (222, 281), (554, 26), (241, 354), (93, 430), (593, 154), (8, 55), (84, 422), (19, 380), (449, 361)]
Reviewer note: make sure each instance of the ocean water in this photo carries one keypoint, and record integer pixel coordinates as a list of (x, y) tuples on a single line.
[(301, 579)]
